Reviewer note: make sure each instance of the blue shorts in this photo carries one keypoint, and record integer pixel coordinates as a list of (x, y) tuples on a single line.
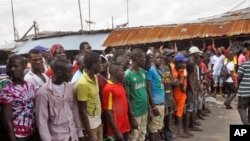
[(217, 81)]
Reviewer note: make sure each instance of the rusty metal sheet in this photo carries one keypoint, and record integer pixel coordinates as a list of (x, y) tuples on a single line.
[(143, 35), (140, 37)]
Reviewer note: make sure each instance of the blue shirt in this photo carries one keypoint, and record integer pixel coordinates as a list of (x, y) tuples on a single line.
[(156, 77), (76, 77)]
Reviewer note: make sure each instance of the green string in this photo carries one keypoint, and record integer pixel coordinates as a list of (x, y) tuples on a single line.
[(109, 138)]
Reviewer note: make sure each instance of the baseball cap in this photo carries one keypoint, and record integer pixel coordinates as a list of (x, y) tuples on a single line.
[(41, 48), (194, 49), (180, 57)]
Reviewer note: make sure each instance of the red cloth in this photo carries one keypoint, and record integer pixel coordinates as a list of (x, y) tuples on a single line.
[(205, 69), (209, 47), (49, 72), (75, 68), (101, 82), (53, 49), (226, 52), (115, 99)]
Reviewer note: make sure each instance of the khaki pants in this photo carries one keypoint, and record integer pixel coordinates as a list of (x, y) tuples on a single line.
[(156, 123), (139, 135), (98, 133)]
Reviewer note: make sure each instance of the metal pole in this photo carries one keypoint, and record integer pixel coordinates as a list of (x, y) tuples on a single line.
[(89, 16), (112, 22), (127, 15), (80, 11), (13, 20)]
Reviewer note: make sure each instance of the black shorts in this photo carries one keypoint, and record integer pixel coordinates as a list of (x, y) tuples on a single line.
[(229, 88), (243, 102)]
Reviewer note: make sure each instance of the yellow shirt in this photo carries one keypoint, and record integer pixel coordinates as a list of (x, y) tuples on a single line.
[(88, 90), (234, 61)]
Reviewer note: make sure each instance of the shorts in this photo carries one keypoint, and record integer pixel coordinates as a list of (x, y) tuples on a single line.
[(217, 79), (180, 101), (229, 88), (140, 133), (191, 103), (243, 102), (156, 123)]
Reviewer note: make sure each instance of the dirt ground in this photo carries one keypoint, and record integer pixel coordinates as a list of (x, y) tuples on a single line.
[(216, 126)]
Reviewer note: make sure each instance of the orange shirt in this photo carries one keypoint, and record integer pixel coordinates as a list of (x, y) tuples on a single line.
[(178, 75)]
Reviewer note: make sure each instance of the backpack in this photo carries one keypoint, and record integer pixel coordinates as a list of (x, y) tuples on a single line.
[(224, 74)]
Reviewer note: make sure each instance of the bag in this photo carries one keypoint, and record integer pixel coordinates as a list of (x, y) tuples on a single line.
[(224, 74)]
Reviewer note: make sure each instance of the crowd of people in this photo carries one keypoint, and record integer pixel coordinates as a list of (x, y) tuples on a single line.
[(123, 96)]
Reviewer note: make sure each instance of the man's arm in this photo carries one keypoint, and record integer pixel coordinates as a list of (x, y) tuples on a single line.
[(111, 121), (82, 96), (240, 73), (6, 113), (151, 101), (82, 106), (213, 44), (42, 116), (132, 120), (77, 121), (204, 45)]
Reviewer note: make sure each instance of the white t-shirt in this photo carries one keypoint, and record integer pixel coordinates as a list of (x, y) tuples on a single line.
[(59, 88), (35, 80), (218, 62), (230, 67)]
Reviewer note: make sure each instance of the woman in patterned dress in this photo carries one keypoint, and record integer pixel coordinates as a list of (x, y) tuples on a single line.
[(17, 102)]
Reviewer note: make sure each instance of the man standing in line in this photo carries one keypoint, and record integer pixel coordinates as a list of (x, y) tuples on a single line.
[(56, 106), (56, 52), (194, 91), (84, 49), (135, 84), (170, 102), (88, 98), (35, 74), (156, 96), (115, 104), (180, 91)]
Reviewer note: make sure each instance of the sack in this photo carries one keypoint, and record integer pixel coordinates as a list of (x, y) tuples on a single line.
[(224, 74)]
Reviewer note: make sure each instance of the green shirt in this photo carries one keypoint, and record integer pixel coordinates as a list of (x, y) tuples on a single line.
[(135, 84)]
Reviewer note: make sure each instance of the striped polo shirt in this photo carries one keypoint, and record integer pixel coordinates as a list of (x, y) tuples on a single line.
[(244, 72)]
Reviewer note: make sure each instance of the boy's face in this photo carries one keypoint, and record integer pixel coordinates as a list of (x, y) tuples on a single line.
[(36, 61), (67, 73), (120, 74), (15, 69)]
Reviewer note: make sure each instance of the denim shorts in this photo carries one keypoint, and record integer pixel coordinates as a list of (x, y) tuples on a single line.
[(217, 79)]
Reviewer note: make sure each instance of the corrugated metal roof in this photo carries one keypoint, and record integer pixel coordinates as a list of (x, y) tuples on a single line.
[(143, 35), (70, 42), (9, 46)]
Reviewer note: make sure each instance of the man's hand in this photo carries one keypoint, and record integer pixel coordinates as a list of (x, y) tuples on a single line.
[(118, 136), (133, 123), (92, 138), (156, 111), (150, 115)]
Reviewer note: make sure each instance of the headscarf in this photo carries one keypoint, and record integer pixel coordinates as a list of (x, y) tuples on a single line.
[(53, 49)]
